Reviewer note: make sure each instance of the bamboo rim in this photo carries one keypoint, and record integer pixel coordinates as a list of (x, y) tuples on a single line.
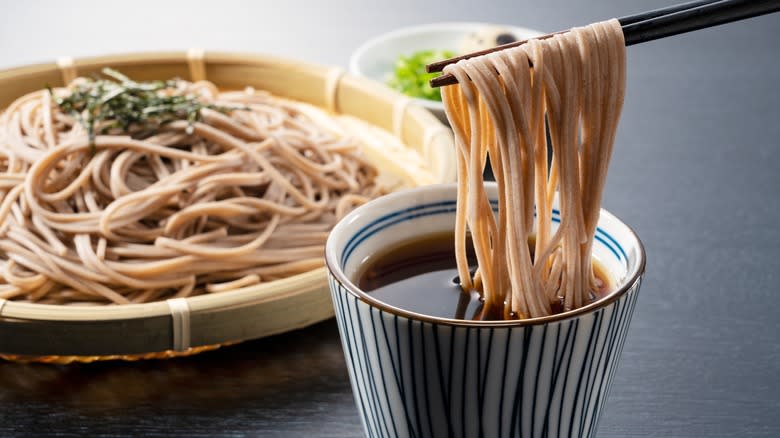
[(61, 334)]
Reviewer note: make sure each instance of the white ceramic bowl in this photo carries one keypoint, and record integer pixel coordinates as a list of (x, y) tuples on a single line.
[(376, 57), (415, 375)]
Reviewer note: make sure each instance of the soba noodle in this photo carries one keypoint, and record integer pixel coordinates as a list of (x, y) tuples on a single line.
[(498, 109), (229, 200)]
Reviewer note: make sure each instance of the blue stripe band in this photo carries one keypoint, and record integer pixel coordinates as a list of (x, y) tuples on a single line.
[(446, 207)]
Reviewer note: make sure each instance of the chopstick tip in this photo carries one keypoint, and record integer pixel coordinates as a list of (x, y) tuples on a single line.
[(443, 80)]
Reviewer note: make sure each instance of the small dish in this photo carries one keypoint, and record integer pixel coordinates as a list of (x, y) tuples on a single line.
[(375, 58)]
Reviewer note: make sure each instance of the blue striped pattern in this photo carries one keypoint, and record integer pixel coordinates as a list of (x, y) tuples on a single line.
[(448, 207), (420, 379)]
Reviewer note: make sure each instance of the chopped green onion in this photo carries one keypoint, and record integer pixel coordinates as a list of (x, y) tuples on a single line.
[(410, 77)]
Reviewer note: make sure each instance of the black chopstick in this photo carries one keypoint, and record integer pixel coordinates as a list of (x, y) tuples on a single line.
[(649, 26), (636, 18), (695, 18)]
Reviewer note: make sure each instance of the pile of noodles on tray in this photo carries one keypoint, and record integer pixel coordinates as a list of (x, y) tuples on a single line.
[(116, 191)]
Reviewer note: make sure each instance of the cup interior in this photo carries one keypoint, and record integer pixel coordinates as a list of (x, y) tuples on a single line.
[(384, 223)]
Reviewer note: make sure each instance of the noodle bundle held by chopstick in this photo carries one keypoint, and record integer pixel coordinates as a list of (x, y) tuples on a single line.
[(115, 191), (498, 109)]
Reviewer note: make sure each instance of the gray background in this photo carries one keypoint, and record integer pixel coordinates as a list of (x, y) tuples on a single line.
[(695, 172)]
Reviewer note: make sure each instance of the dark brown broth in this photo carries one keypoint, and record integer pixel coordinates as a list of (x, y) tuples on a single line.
[(420, 276)]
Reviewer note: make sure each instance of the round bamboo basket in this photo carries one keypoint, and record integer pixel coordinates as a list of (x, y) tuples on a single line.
[(61, 334)]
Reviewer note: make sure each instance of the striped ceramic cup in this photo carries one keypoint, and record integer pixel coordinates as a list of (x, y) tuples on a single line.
[(419, 376)]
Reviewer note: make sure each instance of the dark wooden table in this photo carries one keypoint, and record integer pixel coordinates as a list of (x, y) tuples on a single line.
[(696, 171)]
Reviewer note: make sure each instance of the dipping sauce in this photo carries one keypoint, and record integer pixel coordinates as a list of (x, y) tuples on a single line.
[(421, 276)]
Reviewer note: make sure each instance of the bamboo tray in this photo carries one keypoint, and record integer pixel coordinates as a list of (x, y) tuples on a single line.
[(62, 334)]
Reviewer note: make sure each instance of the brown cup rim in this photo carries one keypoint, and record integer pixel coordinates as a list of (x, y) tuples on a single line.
[(628, 284)]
